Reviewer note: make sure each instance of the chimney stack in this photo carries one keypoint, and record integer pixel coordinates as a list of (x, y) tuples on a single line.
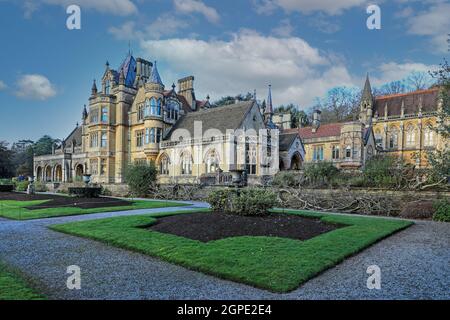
[(316, 120), (186, 89)]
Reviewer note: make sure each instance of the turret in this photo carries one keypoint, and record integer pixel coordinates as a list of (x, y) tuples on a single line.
[(268, 111), (366, 104), (84, 115)]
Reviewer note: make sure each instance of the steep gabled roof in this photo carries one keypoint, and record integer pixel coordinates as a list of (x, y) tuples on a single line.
[(128, 67), (286, 140), (224, 118), (76, 135)]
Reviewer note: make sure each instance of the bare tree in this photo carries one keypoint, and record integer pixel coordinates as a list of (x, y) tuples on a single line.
[(418, 80), (339, 104)]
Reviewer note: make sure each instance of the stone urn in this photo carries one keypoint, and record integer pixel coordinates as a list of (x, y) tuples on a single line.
[(30, 188), (236, 176), (86, 179)]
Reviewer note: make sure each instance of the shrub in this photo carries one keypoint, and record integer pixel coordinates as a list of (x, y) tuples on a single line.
[(106, 191), (22, 186), (6, 182), (442, 212), (321, 173), (246, 202), (39, 186), (140, 178), (287, 179), (6, 187), (83, 192), (418, 210)]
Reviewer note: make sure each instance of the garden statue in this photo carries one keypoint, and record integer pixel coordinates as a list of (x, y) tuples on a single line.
[(30, 188)]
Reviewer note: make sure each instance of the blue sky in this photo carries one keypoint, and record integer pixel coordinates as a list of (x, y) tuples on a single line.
[(302, 47)]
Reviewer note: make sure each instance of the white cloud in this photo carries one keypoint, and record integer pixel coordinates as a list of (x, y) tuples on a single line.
[(434, 23), (34, 87), (197, 6), (331, 7), (164, 25), (284, 29), (115, 7), (392, 71), (2, 85), (298, 72)]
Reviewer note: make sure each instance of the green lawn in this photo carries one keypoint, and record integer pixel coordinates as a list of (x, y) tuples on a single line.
[(13, 287), (276, 264), (16, 209)]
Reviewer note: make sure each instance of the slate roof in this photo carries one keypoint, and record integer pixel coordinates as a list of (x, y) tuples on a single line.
[(220, 118), (129, 71), (325, 130), (76, 135), (367, 91), (411, 100), (286, 140), (154, 76)]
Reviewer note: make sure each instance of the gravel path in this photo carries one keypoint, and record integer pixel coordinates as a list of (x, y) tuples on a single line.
[(414, 265)]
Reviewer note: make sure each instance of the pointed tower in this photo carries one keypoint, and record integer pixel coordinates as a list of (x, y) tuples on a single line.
[(84, 115), (268, 111), (154, 76), (366, 104), (94, 89)]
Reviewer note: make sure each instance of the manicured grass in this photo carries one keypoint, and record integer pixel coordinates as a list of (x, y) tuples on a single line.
[(13, 287), (16, 209), (276, 264)]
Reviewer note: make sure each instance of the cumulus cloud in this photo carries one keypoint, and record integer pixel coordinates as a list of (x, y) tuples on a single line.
[(197, 6), (392, 71), (2, 85), (297, 71), (433, 22), (330, 7), (34, 87), (115, 7)]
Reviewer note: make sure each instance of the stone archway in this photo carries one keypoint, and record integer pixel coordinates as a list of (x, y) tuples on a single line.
[(58, 176), (39, 176), (79, 171), (282, 167), (296, 161), (48, 174)]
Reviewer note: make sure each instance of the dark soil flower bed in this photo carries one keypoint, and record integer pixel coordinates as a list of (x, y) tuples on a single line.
[(63, 201), (206, 227)]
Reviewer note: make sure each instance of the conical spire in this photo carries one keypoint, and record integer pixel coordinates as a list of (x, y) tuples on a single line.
[(367, 92), (269, 107), (154, 77), (84, 114), (94, 88)]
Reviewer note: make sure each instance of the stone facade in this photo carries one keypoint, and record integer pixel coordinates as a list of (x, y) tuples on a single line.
[(133, 118)]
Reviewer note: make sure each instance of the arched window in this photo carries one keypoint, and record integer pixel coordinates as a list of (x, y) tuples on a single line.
[(147, 108), (153, 106), (410, 136), (153, 135), (428, 136), (186, 164), (173, 110), (393, 138), (212, 162), (164, 165), (159, 107)]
